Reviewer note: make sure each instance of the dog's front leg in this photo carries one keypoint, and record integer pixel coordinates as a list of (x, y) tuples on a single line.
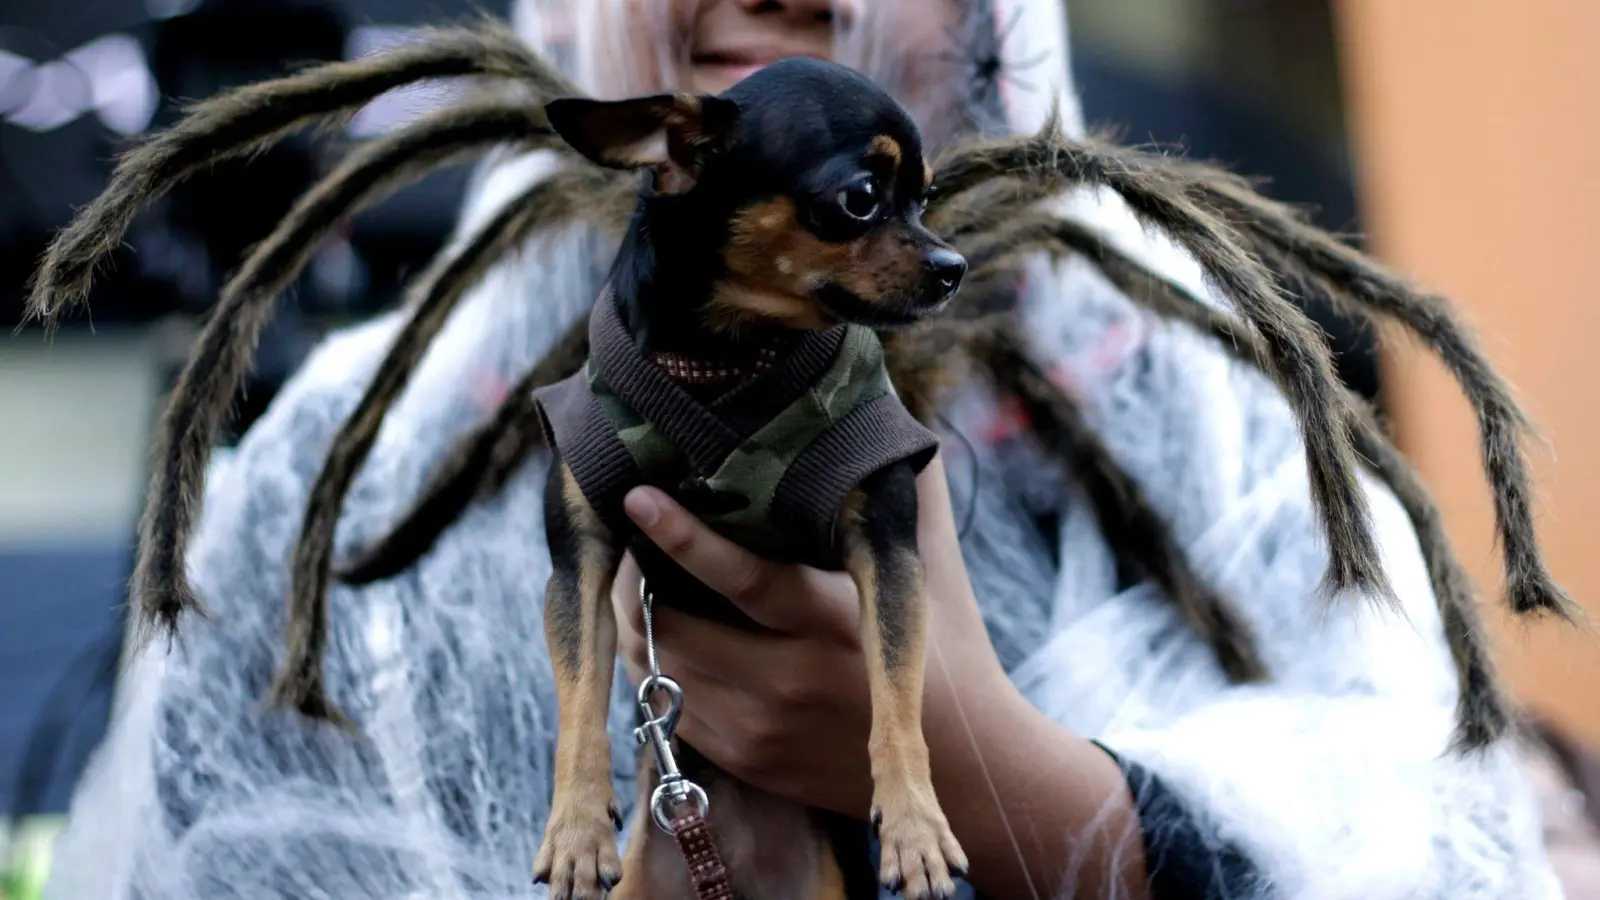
[(879, 528), (578, 857)]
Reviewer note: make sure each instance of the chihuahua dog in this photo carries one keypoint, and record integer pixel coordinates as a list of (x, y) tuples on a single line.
[(735, 363)]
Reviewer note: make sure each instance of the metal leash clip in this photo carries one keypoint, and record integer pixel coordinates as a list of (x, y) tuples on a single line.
[(657, 731)]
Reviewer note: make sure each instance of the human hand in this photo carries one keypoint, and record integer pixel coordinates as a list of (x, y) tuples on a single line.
[(787, 709)]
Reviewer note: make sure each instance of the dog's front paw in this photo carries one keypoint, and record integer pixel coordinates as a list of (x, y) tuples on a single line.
[(920, 856), (578, 858)]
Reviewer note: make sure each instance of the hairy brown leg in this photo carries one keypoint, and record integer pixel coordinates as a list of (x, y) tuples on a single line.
[(578, 857), (1049, 163), (879, 528), (1482, 711), (253, 117)]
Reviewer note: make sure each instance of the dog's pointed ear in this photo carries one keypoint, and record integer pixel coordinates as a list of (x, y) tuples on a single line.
[(673, 133)]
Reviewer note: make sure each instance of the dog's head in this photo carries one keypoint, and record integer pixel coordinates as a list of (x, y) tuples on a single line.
[(808, 183)]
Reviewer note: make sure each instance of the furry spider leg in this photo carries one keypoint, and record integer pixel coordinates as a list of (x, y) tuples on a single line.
[(250, 119), (1360, 285), (1482, 711), (484, 458), (555, 201), (378, 168), (1301, 361), (1320, 264), (199, 402), (1135, 531)]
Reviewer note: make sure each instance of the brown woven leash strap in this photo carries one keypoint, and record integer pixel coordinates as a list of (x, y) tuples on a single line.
[(706, 871)]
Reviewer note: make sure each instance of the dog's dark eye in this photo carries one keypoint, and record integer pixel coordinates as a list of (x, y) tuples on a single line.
[(859, 200)]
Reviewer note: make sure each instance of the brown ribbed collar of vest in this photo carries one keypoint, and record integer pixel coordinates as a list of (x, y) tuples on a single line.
[(706, 432)]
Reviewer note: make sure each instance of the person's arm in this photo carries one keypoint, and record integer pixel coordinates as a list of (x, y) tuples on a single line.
[(1037, 808), (1033, 804)]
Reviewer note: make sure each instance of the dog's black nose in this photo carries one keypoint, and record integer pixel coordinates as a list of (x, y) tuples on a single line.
[(945, 270)]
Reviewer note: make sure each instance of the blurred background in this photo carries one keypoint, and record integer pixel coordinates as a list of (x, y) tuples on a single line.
[(1454, 133)]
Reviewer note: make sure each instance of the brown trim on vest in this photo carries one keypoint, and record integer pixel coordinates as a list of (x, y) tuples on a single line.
[(874, 435), (575, 424)]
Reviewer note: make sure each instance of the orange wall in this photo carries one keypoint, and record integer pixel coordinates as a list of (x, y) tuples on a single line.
[(1476, 128)]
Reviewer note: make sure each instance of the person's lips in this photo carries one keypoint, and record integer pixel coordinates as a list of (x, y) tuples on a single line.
[(729, 73), (733, 64)]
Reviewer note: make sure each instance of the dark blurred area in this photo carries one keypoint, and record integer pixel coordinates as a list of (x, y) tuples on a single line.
[(127, 74), (1254, 85)]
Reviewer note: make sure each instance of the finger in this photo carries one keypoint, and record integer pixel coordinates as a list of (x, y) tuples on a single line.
[(715, 561), (781, 597)]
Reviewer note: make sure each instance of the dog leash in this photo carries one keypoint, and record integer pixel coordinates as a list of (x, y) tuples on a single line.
[(689, 827)]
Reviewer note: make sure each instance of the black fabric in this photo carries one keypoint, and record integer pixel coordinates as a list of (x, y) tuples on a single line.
[(1183, 859)]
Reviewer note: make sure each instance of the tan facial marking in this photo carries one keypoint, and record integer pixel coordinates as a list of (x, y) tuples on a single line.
[(886, 146), (927, 176), (687, 103), (774, 264)]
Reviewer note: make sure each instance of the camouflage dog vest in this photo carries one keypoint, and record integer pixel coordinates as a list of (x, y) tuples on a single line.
[(768, 464)]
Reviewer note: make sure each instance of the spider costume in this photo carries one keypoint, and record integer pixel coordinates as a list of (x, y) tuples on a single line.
[(1139, 542)]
